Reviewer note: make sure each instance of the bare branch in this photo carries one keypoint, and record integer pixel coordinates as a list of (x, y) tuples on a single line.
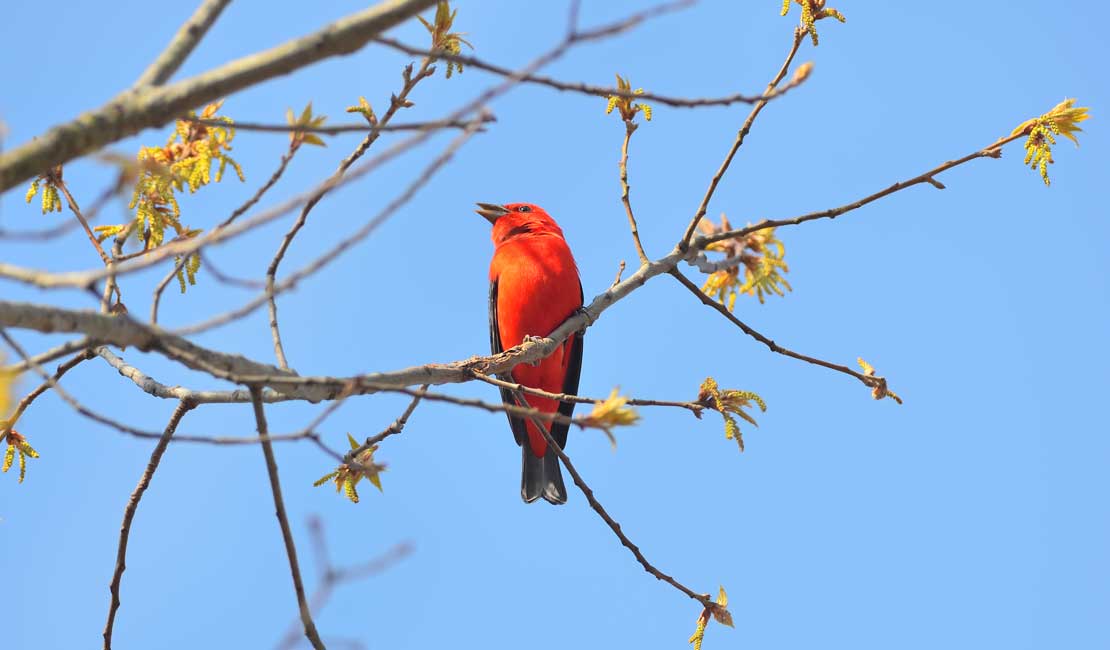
[(332, 254), (704, 599), (740, 135), (72, 203), (183, 407), (48, 356), (991, 151), (279, 510), (129, 113), (867, 380), (590, 89), (186, 38), (331, 577), (433, 125), (629, 129), (6, 425), (397, 102)]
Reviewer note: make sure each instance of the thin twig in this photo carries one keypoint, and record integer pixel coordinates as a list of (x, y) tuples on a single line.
[(186, 38), (739, 141), (629, 129), (72, 203), (397, 101), (992, 151), (869, 381), (272, 290), (285, 158), (63, 368), (704, 599), (183, 407), (279, 510), (84, 279), (48, 356), (332, 577), (589, 89), (694, 407), (336, 129)]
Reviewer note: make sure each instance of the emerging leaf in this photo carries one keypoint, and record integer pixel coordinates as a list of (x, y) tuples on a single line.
[(760, 253), (878, 385), (728, 402), (365, 110), (1063, 119), (306, 120), (626, 107), (442, 36), (17, 445), (361, 465), (612, 412), (812, 11)]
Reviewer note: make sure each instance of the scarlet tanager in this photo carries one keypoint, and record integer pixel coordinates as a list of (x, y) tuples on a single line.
[(534, 287)]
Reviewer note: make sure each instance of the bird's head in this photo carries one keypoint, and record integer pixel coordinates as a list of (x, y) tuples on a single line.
[(517, 219)]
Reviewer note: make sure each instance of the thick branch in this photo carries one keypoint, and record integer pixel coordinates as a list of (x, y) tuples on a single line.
[(149, 107), (183, 43)]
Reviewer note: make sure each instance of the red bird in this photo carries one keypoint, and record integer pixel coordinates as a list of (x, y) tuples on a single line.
[(534, 287)]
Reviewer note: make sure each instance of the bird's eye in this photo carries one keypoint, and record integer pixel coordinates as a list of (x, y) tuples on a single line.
[(523, 208)]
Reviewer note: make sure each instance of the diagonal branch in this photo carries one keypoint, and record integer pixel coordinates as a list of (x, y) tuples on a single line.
[(183, 407), (283, 520), (63, 368), (606, 517), (285, 158), (739, 141), (186, 38), (867, 380), (129, 113), (991, 151), (590, 89), (397, 102)]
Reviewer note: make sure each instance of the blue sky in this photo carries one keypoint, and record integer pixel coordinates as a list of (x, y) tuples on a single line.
[(974, 516)]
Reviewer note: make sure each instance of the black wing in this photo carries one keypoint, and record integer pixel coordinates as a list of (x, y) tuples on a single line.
[(517, 424), (570, 384)]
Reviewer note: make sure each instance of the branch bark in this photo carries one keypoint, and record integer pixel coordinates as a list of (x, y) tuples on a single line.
[(131, 112), (183, 407), (183, 43), (279, 510)]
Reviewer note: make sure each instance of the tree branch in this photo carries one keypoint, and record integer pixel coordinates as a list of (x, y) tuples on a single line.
[(739, 141), (992, 151), (397, 102), (704, 599), (867, 380), (279, 510), (186, 38), (629, 129), (132, 112), (183, 407)]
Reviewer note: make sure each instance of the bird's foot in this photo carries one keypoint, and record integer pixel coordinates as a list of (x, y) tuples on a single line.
[(590, 320), (528, 338)]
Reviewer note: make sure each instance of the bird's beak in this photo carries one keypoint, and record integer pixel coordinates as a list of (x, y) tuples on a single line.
[(491, 212)]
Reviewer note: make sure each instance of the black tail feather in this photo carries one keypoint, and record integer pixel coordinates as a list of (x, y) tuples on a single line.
[(541, 477)]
